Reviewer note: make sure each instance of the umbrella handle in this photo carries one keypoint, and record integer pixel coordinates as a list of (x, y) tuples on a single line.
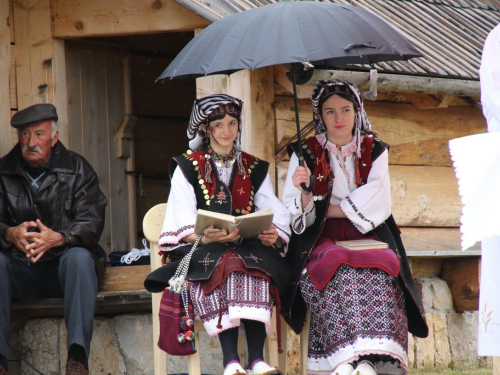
[(306, 189)]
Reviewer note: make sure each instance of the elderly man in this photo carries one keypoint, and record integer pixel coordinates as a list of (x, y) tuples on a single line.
[(51, 219)]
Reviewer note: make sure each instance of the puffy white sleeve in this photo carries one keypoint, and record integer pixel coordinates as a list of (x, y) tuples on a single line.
[(300, 218), (265, 198), (180, 214), (369, 205)]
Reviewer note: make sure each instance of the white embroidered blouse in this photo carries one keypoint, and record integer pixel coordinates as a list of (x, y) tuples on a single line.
[(366, 206), (180, 215)]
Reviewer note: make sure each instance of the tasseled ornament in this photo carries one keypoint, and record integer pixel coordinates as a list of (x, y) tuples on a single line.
[(359, 182), (241, 168), (325, 165), (208, 169)]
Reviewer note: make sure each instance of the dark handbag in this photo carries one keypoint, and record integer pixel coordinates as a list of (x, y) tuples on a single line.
[(175, 325), (176, 314)]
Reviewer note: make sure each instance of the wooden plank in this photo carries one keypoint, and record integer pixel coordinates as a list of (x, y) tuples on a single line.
[(433, 239), (59, 83), (10, 21), (119, 209), (402, 83), (425, 196), (152, 225), (462, 276), (95, 129), (105, 17), (74, 91), (416, 137), (22, 53), (421, 196), (41, 52), (124, 278), (5, 68), (12, 82)]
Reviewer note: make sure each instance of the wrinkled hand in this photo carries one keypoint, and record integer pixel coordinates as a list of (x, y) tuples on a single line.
[(219, 236), (16, 235), (40, 243), (269, 236)]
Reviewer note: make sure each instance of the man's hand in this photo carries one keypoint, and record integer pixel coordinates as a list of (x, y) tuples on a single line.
[(16, 235), (39, 243), (269, 236)]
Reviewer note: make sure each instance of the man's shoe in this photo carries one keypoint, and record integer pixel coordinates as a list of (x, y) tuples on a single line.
[(2, 371), (74, 368)]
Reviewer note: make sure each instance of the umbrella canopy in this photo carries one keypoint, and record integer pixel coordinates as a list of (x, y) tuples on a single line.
[(321, 33)]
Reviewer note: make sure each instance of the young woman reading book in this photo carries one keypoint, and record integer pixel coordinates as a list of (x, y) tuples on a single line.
[(232, 282), (362, 303)]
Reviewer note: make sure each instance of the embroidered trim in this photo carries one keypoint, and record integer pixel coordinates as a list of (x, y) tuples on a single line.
[(359, 213), (175, 234)]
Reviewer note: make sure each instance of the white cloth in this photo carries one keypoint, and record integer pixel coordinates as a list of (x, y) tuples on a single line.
[(372, 200), (180, 215), (475, 159)]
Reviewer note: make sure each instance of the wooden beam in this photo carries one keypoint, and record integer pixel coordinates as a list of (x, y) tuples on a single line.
[(416, 137), (387, 82), (107, 17), (5, 68), (429, 239), (126, 278), (462, 276)]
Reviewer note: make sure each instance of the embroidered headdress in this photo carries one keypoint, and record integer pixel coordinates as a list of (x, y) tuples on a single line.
[(207, 107), (323, 90)]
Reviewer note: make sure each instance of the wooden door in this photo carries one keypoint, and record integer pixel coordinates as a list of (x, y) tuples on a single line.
[(98, 109)]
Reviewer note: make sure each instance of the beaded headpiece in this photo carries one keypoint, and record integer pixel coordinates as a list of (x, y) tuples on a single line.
[(210, 106)]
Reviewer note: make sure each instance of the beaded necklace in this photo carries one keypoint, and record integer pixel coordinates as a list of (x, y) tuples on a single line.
[(222, 161)]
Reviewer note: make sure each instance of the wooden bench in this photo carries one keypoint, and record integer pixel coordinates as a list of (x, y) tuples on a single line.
[(121, 291), (152, 223)]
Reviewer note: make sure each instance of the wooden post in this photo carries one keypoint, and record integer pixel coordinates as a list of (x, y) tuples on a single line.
[(39, 60), (5, 63), (496, 365)]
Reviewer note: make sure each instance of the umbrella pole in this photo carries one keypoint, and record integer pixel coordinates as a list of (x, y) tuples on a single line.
[(306, 189)]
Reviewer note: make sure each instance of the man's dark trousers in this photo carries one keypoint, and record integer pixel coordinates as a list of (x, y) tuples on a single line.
[(71, 276)]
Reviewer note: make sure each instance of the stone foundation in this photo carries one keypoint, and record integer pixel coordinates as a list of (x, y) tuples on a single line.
[(122, 345)]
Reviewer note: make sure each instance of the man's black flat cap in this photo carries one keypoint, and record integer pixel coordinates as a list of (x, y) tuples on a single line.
[(34, 113)]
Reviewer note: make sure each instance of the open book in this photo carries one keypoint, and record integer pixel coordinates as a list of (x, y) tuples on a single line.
[(250, 225), (362, 244)]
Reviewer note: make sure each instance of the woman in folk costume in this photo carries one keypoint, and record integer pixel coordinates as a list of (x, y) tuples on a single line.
[(362, 303), (232, 282)]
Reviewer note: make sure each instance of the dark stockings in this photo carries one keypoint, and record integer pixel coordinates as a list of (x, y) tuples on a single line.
[(256, 336), (229, 344)]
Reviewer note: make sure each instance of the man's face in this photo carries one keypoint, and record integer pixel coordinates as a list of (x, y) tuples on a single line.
[(36, 143)]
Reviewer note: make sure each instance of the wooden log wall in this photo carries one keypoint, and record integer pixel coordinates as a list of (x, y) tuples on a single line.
[(425, 198)]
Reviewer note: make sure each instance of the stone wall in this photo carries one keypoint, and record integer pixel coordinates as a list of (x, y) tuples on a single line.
[(122, 345)]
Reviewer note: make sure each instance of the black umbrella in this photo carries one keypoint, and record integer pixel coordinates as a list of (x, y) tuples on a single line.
[(323, 34)]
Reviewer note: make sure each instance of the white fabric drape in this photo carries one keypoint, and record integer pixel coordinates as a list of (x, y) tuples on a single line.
[(475, 159)]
